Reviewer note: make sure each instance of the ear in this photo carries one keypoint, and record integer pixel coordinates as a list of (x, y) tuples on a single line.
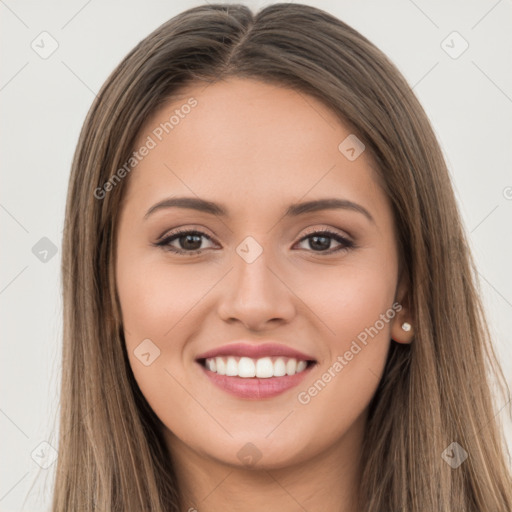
[(402, 325)]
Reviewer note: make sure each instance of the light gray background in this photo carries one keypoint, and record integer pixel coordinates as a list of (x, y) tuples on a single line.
[(44, 102)]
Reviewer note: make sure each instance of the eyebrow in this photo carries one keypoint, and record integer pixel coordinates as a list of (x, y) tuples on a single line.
[(294, 210)]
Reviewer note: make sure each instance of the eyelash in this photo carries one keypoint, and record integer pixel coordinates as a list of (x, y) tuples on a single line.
[(176, 234)]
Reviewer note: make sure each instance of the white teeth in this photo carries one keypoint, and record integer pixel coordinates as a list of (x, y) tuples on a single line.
[(291, 366), (211, 365), (246, 367), (262, 368), (220, 365), (279, 367), (231, 367)]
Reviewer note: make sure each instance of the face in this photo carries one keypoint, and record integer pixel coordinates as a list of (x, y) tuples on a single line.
[(250, 267)]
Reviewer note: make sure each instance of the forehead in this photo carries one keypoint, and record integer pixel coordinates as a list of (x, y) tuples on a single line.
[(249, 144)]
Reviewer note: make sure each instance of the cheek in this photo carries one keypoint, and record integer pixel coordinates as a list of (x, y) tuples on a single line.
[(155, 296), (156, 301), (351, 299), (355, 308), (346, 380), (160, 302), (359, 309)]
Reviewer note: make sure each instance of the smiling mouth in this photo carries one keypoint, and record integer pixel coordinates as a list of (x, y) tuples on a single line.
[(251, 368)]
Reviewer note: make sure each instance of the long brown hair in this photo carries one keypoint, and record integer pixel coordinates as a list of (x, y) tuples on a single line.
[(434, 391)]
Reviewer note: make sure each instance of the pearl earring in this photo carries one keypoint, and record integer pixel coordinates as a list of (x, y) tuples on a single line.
[(406, 326)]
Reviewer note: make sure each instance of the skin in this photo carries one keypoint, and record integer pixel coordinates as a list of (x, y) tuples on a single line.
[(257, 148)]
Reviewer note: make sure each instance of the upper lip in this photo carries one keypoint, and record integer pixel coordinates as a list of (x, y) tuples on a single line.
[(255, 351)]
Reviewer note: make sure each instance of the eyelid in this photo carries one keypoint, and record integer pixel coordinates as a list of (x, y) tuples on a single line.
[(324, 227), (310, 230), (186, 229)]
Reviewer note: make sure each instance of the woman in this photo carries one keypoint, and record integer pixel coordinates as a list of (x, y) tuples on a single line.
[(269, 300)]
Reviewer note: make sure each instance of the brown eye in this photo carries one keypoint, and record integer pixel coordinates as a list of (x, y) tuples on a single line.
[(189, 242), (321, 240)]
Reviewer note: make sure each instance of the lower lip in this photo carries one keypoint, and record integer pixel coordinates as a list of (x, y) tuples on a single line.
[(254, 388)]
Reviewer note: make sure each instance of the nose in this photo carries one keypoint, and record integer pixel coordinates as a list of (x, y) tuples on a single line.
[(256, 295)]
